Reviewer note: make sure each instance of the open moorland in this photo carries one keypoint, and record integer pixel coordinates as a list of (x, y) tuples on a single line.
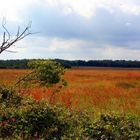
[(94, 89)]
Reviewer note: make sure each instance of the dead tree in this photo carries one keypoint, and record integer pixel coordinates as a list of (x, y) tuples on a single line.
[(7, 41)]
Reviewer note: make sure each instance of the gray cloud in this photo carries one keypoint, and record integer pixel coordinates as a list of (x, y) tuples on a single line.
[(116, 28), (105, 35)]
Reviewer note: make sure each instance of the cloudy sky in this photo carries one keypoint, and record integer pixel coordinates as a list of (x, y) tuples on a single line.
[(74, 29)]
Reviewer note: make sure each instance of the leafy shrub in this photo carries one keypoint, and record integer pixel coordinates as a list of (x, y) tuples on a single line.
[(115, 127), (32, 119), (9, 97), (47, 73), (43, 73)]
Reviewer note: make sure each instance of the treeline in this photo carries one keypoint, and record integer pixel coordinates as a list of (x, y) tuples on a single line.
[(22, 64), (100, 63), (14, 64)]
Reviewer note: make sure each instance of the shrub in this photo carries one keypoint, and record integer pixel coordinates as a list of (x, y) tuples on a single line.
[(9, 97), (44, 73), (38, 120), (115, 127), (47, 73)]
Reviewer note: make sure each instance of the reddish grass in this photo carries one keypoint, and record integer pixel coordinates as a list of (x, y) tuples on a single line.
[(92, 89)]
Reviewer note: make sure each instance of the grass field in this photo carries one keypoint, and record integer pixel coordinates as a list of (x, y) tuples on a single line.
[(98, 90)]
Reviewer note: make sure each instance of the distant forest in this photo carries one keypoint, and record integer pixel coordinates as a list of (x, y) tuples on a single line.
[(22, 64)]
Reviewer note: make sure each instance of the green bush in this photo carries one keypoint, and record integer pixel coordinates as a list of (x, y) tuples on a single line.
[(43, 73), (115, 127), (47, 73), (25, 118), (9, 97), (32, 119)]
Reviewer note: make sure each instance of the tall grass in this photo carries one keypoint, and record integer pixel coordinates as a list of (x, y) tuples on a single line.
[(103, 90)]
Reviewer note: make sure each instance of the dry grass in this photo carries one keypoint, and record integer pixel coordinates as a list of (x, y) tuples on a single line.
[(102, 90)]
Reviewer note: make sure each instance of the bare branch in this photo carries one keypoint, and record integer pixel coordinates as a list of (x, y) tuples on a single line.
[(18, 31), (11, 51), (8, 42), (3, 25)]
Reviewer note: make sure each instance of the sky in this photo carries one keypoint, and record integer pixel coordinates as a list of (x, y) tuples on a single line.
[(74, 29)]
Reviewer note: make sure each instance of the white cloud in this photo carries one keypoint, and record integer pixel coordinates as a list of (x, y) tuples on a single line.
[(12, 9), (43, 47), (58, 44), (131, 8), (112, 52), (88, 8), (80, 7)]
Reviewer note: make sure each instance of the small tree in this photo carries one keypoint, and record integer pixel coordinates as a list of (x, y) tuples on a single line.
[(46, 73)]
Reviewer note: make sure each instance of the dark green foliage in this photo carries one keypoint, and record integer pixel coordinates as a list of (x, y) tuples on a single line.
[(44, 73), (38, 120), (14, 64), (47, 73), (8, 97), (23, 64), (43, 121), (100, 63), (115, 127)]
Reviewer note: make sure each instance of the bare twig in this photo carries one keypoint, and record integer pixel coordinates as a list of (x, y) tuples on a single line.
[(24, 78), (7, 41)]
